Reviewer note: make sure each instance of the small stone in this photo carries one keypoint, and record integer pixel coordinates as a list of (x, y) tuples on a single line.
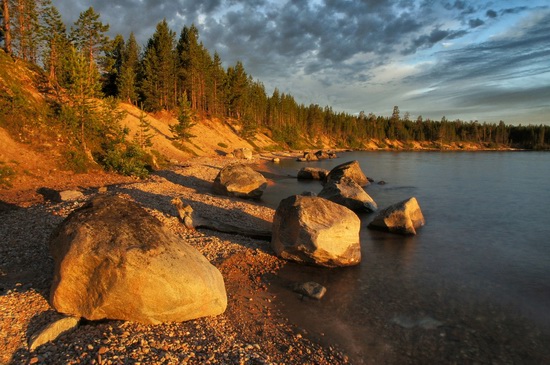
[(311, 289), (52, 331), (102, 350)]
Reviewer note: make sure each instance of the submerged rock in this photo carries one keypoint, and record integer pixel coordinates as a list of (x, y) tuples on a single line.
[(113, 260), (311, 289), (404, 217), (314, 230), (348, 193), (408, 322)]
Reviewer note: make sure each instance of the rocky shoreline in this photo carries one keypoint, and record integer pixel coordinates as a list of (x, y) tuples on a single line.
[(251, 331)]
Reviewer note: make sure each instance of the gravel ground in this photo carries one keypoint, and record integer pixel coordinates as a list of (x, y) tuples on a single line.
[(251, 331)]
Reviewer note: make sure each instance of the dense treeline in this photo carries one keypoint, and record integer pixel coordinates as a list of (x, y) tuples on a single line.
[(175, 72)]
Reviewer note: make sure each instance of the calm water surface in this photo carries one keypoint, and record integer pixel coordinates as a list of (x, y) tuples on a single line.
[(472, 286)]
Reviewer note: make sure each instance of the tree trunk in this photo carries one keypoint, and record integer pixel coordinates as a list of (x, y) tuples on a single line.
[(7, 30), (22, 31)]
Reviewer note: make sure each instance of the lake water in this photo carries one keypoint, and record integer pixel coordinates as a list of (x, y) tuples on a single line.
[(472, 286)]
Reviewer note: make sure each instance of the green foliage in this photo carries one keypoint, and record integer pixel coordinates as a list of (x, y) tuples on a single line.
[(6, 173), (144, 135), (127, 159), (249, 128), (88, 36), (54, 39), (159, 160), (183, 148), (158, 72), (126, 78), (182, 129), (76, 160)]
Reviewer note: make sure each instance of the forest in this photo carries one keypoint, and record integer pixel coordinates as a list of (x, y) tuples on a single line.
[(176, 73)]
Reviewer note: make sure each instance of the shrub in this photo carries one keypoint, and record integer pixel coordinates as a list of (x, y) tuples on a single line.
[(5, 173), (128, 160), (76, 160)]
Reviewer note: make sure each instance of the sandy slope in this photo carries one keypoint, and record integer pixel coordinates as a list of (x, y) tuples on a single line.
[(35, 167), (211, 136)]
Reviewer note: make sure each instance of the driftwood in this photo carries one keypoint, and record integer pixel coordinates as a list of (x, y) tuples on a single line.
[(193, 220)]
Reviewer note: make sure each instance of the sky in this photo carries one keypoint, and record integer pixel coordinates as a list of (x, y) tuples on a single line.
[(462, 59)]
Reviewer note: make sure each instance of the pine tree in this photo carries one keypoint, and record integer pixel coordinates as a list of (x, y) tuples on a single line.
[(24, 29), (194, 66), (182, 129), (82, 87), (144, 136), (218, 89), (88, 36), (54, 38), (114, 58), (127, 80), (237, 84), (158, 71)]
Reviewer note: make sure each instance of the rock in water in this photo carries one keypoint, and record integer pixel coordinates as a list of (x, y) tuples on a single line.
[(348, 193), (316, 231), (404, 217), (240, 181), (311, 289), (312, 173), (350, 169), (113, 260)]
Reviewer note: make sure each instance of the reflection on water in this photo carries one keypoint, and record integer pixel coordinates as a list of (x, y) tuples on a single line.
[(474, 280)]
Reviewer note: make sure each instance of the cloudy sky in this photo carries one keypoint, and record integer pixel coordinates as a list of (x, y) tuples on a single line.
[(484, 60)]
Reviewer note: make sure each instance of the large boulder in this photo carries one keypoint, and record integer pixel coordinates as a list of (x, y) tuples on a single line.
[(240, 181), (113, 260), (349, 194), (404, 218), (312, 173), (350, 169), (316, 231)]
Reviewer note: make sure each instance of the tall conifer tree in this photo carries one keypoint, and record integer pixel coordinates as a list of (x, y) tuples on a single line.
[(54, 38), (114, 58), (127, 80), (158, 81), (88, 36)]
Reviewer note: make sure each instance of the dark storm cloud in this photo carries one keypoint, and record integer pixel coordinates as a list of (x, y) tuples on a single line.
[(470, 75), (434, 37), (329, 32), (335, 41), (499, 57), (474, 23), (491, 14), (310, 37), (462, 6), (516, 10)]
